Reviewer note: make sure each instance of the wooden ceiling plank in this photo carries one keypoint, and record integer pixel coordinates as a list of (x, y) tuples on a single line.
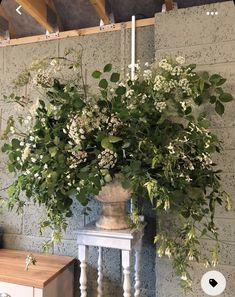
[(169, 5), (99, 6), (38, 10), (12, 30)]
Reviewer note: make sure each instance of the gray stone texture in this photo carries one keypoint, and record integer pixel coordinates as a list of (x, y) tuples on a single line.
[(207, 41)]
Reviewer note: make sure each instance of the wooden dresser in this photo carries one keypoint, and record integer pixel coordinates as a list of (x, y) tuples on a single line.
[(53, 276)]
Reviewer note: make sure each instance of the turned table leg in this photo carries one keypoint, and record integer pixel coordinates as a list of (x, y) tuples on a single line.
[(137, 273), (126, 273), (82, 256), (100, 274)]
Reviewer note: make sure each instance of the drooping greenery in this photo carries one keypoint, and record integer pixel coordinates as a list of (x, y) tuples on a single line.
[(152, 130)]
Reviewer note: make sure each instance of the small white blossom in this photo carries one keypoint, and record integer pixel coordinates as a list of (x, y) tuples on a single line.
[(129, 93), (171, 148), (165, 65), (34, 160), (188, 179), (180, 60), (184, 277), (168, 252), (160, 106), (183, 105)]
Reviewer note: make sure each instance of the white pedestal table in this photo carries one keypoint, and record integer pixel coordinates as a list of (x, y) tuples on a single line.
[(127, 241)]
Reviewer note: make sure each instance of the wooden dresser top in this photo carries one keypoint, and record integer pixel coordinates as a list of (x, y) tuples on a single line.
[(12, 268)]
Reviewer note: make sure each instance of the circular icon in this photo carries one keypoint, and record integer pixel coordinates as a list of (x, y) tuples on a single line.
[(213, 283)]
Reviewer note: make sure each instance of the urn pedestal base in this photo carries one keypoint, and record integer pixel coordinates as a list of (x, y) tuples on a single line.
[(113, 216), (113, 197)]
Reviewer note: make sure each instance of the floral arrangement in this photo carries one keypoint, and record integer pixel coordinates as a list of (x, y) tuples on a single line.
[(150, 130)]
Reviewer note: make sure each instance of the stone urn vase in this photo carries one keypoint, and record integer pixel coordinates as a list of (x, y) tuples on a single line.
[(114, 197)]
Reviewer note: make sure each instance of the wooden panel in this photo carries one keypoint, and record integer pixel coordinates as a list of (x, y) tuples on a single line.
[(38, 10), (12, 268), (16, 290), (61, 286), (99, 6)]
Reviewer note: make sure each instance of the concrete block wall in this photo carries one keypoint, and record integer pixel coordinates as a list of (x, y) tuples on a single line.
[(207, 41)]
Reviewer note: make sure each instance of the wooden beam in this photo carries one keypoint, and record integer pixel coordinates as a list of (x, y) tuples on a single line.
[(38, 9), (169, 5), (81, 32), (99, 6), (3, 14)]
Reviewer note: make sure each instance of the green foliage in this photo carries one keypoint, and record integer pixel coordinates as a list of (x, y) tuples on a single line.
[(148, 131)]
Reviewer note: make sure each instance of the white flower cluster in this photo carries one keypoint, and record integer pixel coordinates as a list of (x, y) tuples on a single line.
[(77, 135), (185, 86), (165, 65), (161, 84), (177, 71), (43, 77), (107, 159), (26, 152), (78, 158), (160, 106), (147, 75), (205, 159), (114, 123)]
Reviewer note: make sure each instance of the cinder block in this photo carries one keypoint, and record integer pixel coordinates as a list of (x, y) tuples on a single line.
[(222, 52), (228, 185), (26, 243), (191, 26), (10, 221), (144, 45), (97, 50), (17, 58), (226, 229), (226, 136), (225, 161)]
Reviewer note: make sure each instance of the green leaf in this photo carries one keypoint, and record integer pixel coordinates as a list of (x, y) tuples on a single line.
[(219, 108), (215, 79), (15, 143), (103, 84), (120, 91), (226, 97), (108, 178), (192, 66), (201, 86), (6, 147), (114, 139), (56, 140), (115, 77), (105, 143), (108, 67), (96, 74), (53, 151), (205, 75)]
